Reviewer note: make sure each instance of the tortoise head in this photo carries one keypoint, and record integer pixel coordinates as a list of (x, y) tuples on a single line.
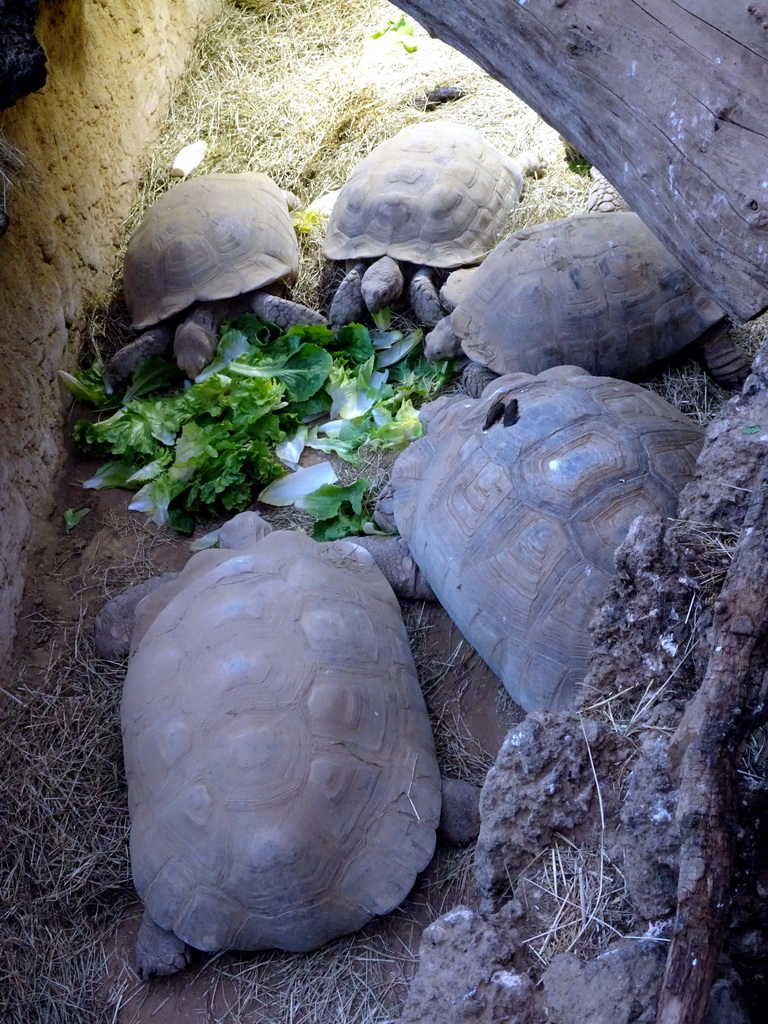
[(442, 342)]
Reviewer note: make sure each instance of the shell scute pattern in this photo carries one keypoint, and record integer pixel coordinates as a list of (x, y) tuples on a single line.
[(269, 765), (563, 469), (595, 290), (520, 554), (435, 194), (212, 237)]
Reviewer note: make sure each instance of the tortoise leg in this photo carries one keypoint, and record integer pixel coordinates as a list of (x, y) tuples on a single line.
[(157, 341), (348, 306), (425, 297), (603, 196), (382, 283), (475, 377), (460, 812), (392, 556), (725, 361), (283, 312), (196, 338), (158, 952)]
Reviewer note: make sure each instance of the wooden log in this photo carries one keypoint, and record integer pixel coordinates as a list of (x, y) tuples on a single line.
[(731, 702), (665, 97)]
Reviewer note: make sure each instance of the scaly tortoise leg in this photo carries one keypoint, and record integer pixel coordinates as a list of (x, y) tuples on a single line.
[(284, 313), (158, 952), (724, 360), (157, 341), (425, 297), (348, 305)]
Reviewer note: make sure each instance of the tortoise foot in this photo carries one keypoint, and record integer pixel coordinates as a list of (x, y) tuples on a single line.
[(348, 306), (425, 297), (156, 341), (476, 378), (158, 952), (284, 313)]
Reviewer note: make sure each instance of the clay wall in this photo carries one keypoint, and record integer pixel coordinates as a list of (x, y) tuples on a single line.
[(111, 67)]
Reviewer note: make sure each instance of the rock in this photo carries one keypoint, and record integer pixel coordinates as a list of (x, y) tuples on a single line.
[(466, 975), (22, 59), (620, 986), (542, 783), (649, 838), (726, 1005)]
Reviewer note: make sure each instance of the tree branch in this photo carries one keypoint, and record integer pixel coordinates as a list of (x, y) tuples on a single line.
[(730, 704)]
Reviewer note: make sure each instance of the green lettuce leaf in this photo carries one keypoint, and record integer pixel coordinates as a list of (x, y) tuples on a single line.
[(355, 392), (114, 474), (343, 437), (352, 343), (72, 517), (233, 343), (289, 451), (398, 349), (315, 407), (140, 428), (338, 510), (153, 374), (396, 430), (314, 334), (257, 331), (302, 372), (154, 498), (291, 488), (416, 376), (89, 386)]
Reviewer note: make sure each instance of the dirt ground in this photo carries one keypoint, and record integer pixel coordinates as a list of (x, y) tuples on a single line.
[(562, 881)]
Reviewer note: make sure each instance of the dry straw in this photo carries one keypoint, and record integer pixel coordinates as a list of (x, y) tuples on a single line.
[(302, 92)]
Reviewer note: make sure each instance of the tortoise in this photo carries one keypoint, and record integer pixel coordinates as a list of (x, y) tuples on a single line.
[(604, 197), (436, 195), (206, 242), (513, 504), (596, 290), (282, 781)]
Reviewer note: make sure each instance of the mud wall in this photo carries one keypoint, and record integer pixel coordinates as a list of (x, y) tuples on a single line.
[(111, 66)]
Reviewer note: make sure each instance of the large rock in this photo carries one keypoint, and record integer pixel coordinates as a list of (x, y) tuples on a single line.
[(466, 972), (542, 783), (22, 59)]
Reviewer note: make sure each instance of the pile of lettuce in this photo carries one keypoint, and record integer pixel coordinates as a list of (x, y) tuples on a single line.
[(193, 451)]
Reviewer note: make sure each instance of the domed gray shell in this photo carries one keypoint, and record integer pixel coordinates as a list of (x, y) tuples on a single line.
[(436, 193), (212, 237), (282, 780), (515, 527), (596, 290)]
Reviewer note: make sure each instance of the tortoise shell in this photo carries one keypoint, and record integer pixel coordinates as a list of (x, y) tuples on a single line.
[(595, 290), (514, 512), (212, 237), (435, 194), (282, 780)]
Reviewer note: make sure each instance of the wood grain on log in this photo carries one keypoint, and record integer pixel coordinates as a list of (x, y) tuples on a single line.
[(731, 702), (665, 97)]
